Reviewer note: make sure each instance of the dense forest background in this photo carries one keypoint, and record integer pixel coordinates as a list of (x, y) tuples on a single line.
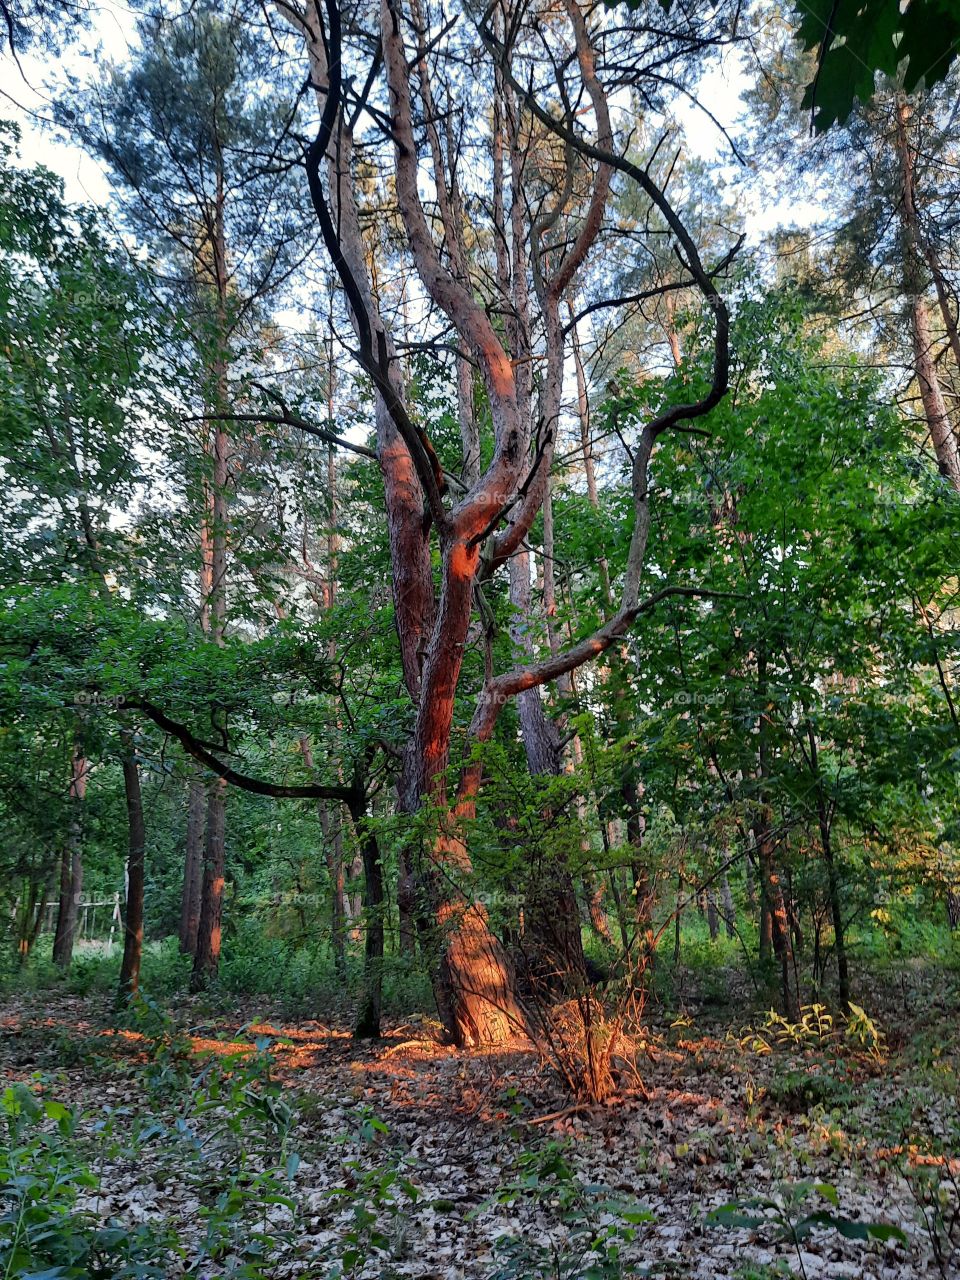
[(481, 520)]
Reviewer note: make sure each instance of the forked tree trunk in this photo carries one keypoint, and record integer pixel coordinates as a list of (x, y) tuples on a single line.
[(473, 977), (31, 921)]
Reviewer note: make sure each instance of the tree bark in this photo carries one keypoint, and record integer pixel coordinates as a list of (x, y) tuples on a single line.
[(942, 434), (214, 586), (729, 914), (192, 869), (332, 829), (136, 853), (713, 919), (774, 903), (833, 881), (71, 867), (367, 1022), (206, 960)]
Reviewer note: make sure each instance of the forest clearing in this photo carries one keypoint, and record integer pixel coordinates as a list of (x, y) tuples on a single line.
[(479, 639)]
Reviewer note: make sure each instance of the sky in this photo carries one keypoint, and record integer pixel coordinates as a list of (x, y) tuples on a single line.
[(26, 101)]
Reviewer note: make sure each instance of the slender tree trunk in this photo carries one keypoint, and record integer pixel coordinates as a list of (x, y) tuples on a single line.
[(773, 899), (35, 908), (136, 852), (836, 904), (942, 434), (586, 448), (206, 960), (367, 1023), (332, 829), (71, 867), (749, 882), (406, 903), (713, 919), (776, 922), (729, 914), (192, 869)]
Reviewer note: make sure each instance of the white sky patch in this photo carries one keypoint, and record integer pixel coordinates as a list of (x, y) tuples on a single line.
[(112, 30), (26, 99), (720, 90)]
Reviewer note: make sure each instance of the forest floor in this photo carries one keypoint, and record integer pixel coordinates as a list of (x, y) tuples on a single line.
[(406, 1158)]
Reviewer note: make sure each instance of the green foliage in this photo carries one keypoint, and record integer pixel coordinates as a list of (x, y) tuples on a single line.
[(45, 1231), (591, 1224), (784, 1213), (854, 41), (371, 1204)]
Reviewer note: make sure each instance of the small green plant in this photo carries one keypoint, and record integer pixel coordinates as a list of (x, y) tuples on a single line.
[(804, 1087), (785, 1215), (43, 1231), (246, 1222), (371, 1203), (591, 1225), (764, 1271), (932, 1175), (862, 1031)]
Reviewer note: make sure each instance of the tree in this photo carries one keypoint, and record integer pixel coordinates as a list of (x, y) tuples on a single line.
[(473, 983), (186, 133), (78, 334)]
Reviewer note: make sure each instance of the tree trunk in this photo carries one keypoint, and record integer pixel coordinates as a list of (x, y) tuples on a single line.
[(206, 960), (836, 905), (713, 919), (772, 890), (777, 919), (192, 869), (332, 829), (406, 903), (553, 942), (32, 916), (136, 851), (942, 435), (71, 867), (367, 1023), (729, 914)]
